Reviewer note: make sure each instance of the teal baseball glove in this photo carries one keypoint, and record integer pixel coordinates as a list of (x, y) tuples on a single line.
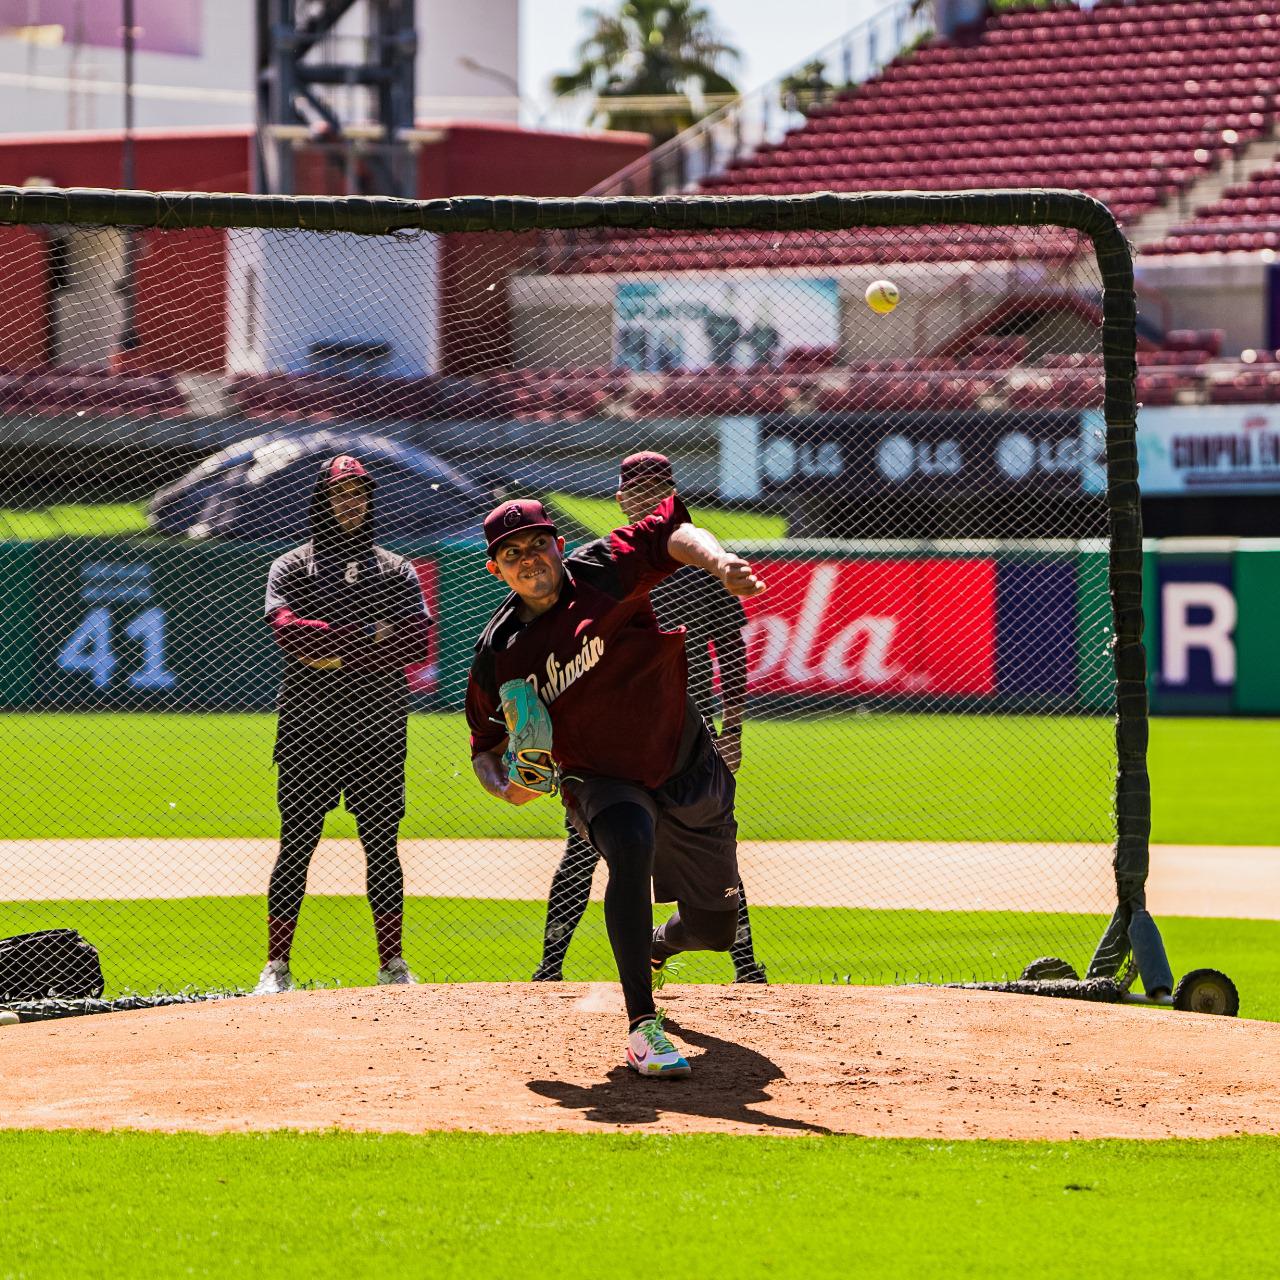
[(528, 754)]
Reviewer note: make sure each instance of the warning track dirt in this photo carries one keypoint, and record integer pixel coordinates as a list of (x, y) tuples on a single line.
[(1231, 880)]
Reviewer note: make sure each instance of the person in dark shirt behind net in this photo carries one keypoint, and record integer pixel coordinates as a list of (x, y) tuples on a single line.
[(350, 617), (693, 599), (638, 772)]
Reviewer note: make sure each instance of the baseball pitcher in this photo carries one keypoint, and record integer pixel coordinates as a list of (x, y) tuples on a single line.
[(576, 688), (712, 618)]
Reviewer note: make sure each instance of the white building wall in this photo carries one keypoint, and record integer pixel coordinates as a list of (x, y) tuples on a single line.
[(53, 87), (287, 291), (88, 313), (484, 33), (1210, 291)]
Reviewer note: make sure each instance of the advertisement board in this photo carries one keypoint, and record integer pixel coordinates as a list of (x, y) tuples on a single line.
[(685, 324), (129, 624), (831, 627), (936, 453), (1209, 449), (1198, 615), (125, 624), (144, 624), (1256, 582)]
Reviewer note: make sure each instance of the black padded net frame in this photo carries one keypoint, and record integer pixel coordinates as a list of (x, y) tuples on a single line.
[(943, 754)]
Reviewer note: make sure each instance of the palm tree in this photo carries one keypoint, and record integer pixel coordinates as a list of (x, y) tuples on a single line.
[(801, 89), (649, 48)]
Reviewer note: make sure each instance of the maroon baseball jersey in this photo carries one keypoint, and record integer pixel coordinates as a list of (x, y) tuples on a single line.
[(612, 679)]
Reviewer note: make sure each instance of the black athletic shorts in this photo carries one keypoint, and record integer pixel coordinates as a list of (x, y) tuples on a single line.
[(366, 770), (695, 833)]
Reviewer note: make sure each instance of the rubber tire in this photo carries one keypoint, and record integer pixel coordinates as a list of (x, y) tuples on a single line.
[(1207, 991), (1049, 969)]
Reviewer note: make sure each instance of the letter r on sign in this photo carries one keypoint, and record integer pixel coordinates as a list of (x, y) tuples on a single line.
[(1180, 636)]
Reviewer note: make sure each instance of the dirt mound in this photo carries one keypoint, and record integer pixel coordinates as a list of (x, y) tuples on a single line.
[(787, 1059)]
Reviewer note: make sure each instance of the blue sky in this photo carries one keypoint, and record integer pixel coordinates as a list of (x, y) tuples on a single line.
[(773, 36)]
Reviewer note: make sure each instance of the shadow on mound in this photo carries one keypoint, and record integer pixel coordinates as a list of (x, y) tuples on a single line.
[(727, 1080)]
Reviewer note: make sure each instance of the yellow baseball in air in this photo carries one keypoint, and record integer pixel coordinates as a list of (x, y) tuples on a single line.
[(882, 296)]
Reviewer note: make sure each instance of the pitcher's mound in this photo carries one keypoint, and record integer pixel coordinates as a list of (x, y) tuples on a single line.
[(889, 1061)]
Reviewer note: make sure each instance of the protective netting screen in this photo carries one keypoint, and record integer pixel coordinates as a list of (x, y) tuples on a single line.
[(926, 759)]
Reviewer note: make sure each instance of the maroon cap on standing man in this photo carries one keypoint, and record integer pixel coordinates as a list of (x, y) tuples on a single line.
[(646, 468), (345, 467)]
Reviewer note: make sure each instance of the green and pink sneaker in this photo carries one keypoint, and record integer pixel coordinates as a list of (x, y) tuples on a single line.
[(651, 1053)]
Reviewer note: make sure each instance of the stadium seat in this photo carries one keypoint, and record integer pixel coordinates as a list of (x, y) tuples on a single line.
[(1131, 102)]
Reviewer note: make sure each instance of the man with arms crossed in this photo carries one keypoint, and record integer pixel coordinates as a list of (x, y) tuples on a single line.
[(350, 617), (691, 598), (641, 779)]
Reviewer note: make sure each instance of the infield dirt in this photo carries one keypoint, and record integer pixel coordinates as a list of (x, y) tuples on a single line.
[(900, 1062)]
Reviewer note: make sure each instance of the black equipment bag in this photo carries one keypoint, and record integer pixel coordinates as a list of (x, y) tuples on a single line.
[(54, 962)]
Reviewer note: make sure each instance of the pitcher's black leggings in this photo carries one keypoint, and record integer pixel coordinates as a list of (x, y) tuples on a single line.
[(623, 835)]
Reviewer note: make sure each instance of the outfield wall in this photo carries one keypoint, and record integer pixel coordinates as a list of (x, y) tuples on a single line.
[(111, 624)]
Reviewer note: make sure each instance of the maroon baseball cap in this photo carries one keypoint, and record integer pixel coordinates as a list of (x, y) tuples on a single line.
[(646, 468), (514, 517), (345, 467)]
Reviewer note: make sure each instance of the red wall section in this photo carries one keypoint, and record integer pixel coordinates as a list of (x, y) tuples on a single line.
[(481, 159), (182, 276), (164, 160), (182, 301), (24, 323), (496, 159)]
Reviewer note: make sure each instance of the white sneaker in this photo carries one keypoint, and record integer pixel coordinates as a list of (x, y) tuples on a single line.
[(397, 974), (275, 979), (650, 1052)]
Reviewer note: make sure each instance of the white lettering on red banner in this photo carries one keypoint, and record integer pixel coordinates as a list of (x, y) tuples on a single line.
[(874, 627)]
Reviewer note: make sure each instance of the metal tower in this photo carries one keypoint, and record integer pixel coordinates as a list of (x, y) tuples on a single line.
[(344, 95)]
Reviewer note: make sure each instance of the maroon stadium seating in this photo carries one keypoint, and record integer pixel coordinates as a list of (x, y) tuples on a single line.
[(1245, 219), (1188, 368), (1131, 102)]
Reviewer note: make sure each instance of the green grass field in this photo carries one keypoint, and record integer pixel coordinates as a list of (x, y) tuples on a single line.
[(188, 777), (217, 942), (471, 1205), (465, 1205), (857, 777), (111, 520)]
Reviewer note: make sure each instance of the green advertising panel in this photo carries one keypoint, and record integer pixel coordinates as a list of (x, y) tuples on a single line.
[(1094, 632), (150, 624), (139, 623), (135, 623), (17, 623), (467, 595), (1257, 586)]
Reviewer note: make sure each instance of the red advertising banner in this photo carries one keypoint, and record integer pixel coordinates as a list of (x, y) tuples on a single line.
[(873, 627), (424, 676)]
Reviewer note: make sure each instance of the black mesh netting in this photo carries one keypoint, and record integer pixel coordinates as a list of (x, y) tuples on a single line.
[(926, 692)]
